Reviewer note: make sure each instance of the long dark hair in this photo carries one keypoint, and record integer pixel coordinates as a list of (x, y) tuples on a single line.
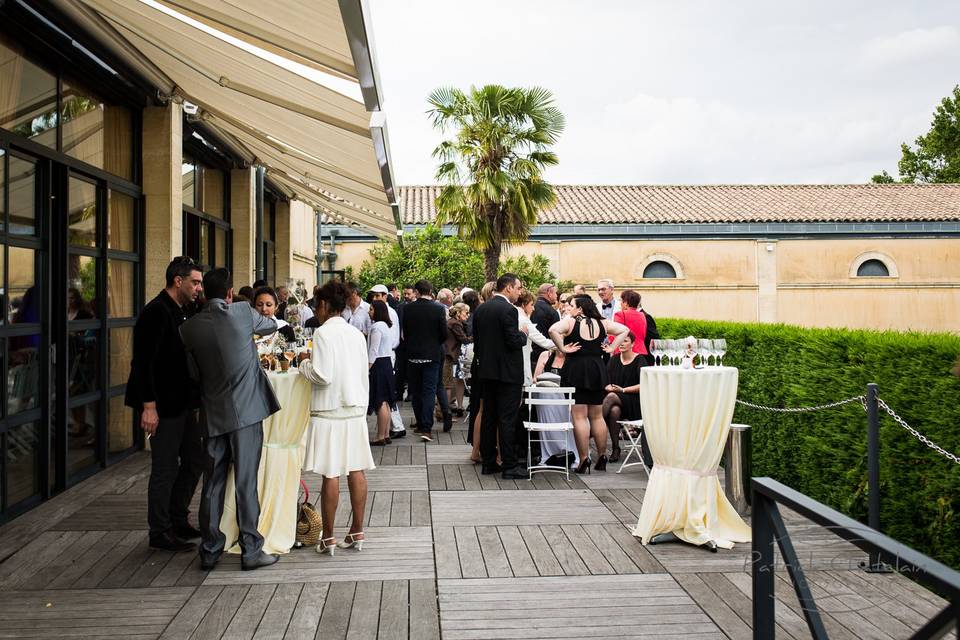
[(380, 313), (586, 304)]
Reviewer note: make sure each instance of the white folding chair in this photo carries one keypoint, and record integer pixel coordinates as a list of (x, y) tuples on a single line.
[(632, 430), (552, 431)]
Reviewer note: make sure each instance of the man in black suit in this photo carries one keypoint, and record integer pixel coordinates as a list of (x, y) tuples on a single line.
[(424, 330), (544, 316), (498, 345), (160, 388)]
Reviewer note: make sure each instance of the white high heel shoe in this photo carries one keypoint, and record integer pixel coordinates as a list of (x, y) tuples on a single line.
[(355, 541), (324, 548)]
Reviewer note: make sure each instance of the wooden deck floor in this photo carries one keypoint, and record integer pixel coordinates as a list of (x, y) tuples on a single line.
[(451, 553)]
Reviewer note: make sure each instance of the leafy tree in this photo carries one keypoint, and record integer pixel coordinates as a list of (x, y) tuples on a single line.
[(492, 167), (446, 262), (935, 156)]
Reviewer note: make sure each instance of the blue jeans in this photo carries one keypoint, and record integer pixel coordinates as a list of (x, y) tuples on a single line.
[(422, 379)]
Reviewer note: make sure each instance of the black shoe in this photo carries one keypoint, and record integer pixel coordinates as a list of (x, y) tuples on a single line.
[(458, 413), (261, 560), (490, 469), (186, 531), (584, 467), (615, 455), (170, 542), (516, 473), (398, 434), (447, 422), (601, 464), (207, 564)]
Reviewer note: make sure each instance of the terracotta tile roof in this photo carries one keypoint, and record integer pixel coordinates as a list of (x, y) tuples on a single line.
[(592, 204)]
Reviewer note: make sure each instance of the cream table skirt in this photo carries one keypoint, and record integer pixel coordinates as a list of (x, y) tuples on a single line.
[(686, 416), (278, 480)]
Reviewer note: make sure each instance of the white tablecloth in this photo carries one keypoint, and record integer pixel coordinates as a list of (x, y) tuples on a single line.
[(686, 416), (278, 481)]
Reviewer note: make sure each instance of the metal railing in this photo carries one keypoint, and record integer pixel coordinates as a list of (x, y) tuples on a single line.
[(768, 527)]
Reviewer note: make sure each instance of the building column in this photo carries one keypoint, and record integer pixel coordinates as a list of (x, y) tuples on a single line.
[(243, 225), (162, 191), (283, 242), (767, 281)]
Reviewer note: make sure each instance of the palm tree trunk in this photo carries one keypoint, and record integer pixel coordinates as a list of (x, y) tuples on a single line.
[(491, 262)]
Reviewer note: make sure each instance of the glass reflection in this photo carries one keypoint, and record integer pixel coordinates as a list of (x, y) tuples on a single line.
[(121, 353), (82, 214), (188, 171), (22, 195), (29, 97), (23, 375), (82, 437), (120, 289), (83, 360), (24, 301), (22, 462), (120, 233), (120, 426), (83, 281)]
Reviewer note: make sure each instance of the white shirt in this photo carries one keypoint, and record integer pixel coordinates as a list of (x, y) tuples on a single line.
[(379, 342), (359, 317), (533, 335), (338, 369), (304, 312), (609, 311), (394, 328)]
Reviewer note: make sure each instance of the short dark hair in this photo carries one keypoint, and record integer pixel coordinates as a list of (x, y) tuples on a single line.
[(505, 281), (471, 299), (259, 283), (335, 294), (632, 336), (216, 283), (631, 297), (181, 266), (380, 313), (353, 287), (392, 287), (423, 287), (266, 291), (245, 292)]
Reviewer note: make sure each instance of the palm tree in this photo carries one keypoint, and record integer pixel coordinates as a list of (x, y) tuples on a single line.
[(492, 167)]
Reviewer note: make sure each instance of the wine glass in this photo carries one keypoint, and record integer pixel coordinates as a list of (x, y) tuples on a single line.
[(673, 350), (719, 349), (705, 350), (656, 350)]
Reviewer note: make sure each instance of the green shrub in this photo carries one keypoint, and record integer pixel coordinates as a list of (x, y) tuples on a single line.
[(824, 454)]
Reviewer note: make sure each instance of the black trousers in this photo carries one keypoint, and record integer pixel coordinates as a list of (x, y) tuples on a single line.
[(501, 403), (423, 378), (242, 449), (177, 460)]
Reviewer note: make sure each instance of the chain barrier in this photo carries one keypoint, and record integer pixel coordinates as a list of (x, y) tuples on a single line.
[(861, 399), (916, 434), (863, 402)]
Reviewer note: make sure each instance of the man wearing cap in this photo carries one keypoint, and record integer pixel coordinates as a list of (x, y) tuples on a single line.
[(357, 311)]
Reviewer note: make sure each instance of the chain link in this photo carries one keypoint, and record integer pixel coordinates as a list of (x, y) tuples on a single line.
[(916, 434), (831, 405)]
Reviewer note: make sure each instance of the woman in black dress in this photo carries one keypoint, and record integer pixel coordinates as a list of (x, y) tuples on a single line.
[(582, 336), (623, 391)]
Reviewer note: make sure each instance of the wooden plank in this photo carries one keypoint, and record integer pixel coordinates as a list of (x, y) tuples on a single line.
[(418, 455), (610, 549), (35, 558), (400, 509), (470, 473), (424, 618), (736, 599), (388, 456), (563, 549), (420, 509), (519, 557), (174, 569), (616, 507), (62, 562), (394, 610), (478, 508), (405, 455), (468, 550), (192, 576), (436, 478), (451, 475), (248, 616), (130, 541), (445, 551), (89, 559), (217, 618), (365, 617), (719, 611), (494, 556), (305, 620), (546, 562), (273, 626), (128, 567), (150, 568), (588, 551), (336, 611), (634, 550), (790, 623), (192, 613), (380, 511)]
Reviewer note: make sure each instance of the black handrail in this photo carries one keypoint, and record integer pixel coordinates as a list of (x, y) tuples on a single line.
[(768, 526)]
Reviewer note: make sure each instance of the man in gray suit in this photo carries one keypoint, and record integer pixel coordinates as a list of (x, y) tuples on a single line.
[(236, 397)]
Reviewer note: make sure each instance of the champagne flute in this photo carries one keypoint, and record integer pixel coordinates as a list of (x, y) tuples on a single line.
[(656, 350), (673, 350), (720, 348), (705, 349)]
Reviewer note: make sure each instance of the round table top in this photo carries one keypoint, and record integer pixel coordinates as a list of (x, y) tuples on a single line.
[(673, 370)]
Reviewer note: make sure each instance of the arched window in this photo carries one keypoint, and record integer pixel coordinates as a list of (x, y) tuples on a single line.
[(659, 269), (872, 268)]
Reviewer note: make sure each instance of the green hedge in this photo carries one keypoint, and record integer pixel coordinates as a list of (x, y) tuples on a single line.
[(823, 454)]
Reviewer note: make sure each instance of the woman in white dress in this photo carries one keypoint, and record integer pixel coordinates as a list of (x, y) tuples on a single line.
[(337, 438)]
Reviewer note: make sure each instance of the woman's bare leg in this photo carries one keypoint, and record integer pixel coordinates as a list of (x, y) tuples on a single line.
[(383, 421), (598, 428), (329, 498), (581, 430), (357, 483), (475, 454)]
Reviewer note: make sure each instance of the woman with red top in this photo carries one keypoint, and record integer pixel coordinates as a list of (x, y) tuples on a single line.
[(633, 319)]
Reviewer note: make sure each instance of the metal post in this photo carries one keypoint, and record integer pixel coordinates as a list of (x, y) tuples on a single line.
[(764, 622), (737, 463), (259, 257), (874, 564)]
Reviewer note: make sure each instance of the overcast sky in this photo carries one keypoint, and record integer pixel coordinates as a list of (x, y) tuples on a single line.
[(683, 91)]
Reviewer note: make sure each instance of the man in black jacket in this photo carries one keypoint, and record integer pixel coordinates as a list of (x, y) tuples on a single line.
[(160, 388), (544, 316), (424, 330), (498, 345)]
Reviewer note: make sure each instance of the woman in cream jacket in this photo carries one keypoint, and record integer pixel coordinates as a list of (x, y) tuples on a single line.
[(337, 441)]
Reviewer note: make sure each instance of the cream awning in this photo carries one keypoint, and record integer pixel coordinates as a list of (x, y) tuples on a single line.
[(311, 133)]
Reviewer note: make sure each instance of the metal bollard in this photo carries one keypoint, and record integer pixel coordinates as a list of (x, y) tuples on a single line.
[(737, 467)]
